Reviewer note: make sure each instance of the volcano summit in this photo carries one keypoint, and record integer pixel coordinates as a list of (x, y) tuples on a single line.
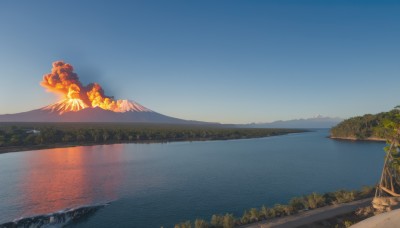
[(86, 103)]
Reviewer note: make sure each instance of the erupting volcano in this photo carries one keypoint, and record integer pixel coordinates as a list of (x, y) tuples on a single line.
[(88, 103), (64, 81)]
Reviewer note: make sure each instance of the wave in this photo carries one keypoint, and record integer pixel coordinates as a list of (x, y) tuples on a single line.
[(57, 219)]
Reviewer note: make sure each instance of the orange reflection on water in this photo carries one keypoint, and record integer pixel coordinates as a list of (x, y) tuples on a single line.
[(69, 177)]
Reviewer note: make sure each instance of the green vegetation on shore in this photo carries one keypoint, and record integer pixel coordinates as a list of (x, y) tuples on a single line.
[(296, 205), (20, 136), (364, 127)]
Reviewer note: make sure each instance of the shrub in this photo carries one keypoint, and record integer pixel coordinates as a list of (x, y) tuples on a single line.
[(298, 203), (347, 223), (344, 196), (217, 220), (245, 218), (186, 224), (228, 221), (279, 210), (264, 213), (315, 200), (200, 223), (254, 214), (367, 191)]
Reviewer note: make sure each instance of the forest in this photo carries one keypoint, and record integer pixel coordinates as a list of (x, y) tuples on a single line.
[(22, 136), (364, 127)]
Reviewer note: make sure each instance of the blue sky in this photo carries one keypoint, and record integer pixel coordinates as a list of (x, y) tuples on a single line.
[(224, 61)]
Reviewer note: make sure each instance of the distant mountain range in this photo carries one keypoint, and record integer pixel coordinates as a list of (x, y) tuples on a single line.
[(315, 122), (135, 113), (66, 111)]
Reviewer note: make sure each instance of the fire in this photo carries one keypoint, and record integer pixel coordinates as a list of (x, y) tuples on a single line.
[(64, 81)]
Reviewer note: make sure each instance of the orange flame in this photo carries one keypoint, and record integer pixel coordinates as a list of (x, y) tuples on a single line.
[(63, 80)]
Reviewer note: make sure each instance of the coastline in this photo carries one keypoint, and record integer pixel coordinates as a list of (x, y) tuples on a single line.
[(373, 139), (11, 149)]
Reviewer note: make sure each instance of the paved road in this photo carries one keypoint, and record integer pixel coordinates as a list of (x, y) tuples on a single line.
[(311, 216)]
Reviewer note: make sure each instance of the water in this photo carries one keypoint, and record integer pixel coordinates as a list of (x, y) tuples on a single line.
[(153, 185)]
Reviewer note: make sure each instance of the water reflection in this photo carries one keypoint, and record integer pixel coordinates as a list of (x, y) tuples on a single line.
[(69, 177)]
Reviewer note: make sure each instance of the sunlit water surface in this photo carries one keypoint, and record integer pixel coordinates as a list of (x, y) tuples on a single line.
[(153, 185)]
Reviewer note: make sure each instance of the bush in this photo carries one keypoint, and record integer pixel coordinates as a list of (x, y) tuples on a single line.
[(245, 218), (186, 224), (367, 191), (344, 196), (264, 213), (200, 223), (315, 200), (298, 203), (217, 220), (254, 214), (228, 221)]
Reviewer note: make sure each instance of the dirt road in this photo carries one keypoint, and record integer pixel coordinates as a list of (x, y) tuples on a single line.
[(311, 216)]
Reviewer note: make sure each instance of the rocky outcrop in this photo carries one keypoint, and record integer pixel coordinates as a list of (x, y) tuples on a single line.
[(58, 218)]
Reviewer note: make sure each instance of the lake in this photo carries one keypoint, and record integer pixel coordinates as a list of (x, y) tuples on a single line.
[(153, 185)]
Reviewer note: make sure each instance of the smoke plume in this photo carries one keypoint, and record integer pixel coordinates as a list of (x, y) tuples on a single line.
[(62, 80)]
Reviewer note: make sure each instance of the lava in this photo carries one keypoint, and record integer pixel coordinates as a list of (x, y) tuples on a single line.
[(75, 97)]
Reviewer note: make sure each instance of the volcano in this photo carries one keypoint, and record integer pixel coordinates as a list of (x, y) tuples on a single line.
[(67, 111), (88, 103)]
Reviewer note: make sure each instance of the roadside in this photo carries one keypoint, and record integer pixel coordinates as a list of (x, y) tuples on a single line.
[(312, 216)]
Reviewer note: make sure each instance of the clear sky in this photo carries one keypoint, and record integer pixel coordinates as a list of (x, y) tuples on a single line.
[(224, 61)]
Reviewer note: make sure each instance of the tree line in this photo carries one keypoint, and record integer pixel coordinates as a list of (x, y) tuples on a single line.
[(75, 133), (364, 127)]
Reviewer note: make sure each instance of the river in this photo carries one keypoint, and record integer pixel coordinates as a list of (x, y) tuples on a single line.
[(160, 184)]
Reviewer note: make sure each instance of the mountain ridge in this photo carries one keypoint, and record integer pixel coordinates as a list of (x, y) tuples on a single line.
[(314, 122), (94, 115)]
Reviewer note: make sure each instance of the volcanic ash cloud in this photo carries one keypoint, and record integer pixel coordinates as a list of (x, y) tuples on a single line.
[(62, 80)]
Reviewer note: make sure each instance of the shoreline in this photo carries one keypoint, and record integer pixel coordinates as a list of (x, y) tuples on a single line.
[(12, 149), (370, 139)]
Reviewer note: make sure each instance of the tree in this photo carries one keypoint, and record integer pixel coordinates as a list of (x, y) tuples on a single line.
[(106, 135), (389, 183), (15, 140)]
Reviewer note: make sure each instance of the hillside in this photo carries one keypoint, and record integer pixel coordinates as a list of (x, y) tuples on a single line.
[(367, 127)]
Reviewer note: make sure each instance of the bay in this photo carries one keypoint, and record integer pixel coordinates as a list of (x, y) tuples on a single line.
[(154, 185)]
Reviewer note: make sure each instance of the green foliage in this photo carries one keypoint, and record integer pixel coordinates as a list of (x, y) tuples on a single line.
[(264, 213), (217, 220), (348, 223), (254, 215), (200, 223), (296, 204), (367, 126), (343, 196), (245, 219), (228, 221), (186, 224), (20, 134), (315, 200)]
